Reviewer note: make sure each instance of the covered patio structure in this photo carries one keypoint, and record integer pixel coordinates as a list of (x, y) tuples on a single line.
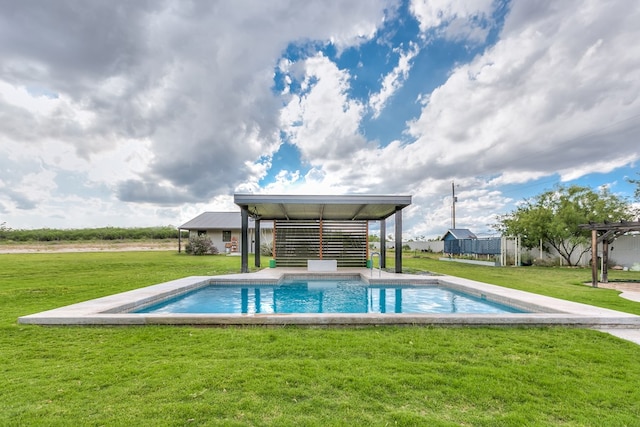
[(321, 227)]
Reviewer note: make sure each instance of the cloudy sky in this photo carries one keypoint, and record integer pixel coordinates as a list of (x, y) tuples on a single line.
[(146, 113)]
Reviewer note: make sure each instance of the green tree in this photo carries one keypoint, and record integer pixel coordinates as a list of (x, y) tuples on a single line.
[(554, 216), (4, 229), (637, 184)]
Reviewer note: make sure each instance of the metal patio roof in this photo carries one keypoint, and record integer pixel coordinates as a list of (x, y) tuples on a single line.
[(312, 207)]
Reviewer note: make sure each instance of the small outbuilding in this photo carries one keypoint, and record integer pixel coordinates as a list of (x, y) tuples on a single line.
[(458, 234), (454, 240)]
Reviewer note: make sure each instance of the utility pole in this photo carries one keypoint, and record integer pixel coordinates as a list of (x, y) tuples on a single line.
[(453, 205)]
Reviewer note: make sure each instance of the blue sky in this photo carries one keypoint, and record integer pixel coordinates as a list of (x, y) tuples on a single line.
[(141, 114)]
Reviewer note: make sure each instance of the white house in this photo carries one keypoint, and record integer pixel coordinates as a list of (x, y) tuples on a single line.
[(225, 228)]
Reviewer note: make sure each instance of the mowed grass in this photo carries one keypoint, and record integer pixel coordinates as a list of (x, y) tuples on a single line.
[(176, 376), (572, 284)]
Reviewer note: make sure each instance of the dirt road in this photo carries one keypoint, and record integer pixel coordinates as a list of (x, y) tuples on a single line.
[(95, 246)]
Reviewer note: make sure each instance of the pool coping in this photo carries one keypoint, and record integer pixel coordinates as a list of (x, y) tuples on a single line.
[(108, 310)]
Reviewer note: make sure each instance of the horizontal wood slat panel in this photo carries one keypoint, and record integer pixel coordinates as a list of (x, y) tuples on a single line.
[(299, 241)]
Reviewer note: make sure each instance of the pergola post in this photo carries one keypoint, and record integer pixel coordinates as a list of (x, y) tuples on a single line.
[(594, 258), (256, 248), (321, 249), (398, 240), (383, 243), (605, 261), (244, 241)]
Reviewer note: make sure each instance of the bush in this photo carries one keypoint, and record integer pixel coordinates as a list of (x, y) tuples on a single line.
[(547, 262), (266, 249), (200, 245), (526, 259)]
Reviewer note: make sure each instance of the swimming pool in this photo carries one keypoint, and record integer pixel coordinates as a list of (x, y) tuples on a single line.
[(327, 296), (120, 309)]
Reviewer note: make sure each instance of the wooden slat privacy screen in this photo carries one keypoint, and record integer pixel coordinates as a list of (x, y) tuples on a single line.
[(298, 241)]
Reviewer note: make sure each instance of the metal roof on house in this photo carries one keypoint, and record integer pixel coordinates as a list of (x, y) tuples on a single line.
[(312, 207), (460, 234), (221, 220)]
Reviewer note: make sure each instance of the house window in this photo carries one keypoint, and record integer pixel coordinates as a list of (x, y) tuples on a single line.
[(226, 235), (202, 233)]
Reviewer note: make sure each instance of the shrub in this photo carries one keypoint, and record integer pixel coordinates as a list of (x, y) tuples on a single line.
[(547, 262), (200, 245), (266, 249), (526, 259)]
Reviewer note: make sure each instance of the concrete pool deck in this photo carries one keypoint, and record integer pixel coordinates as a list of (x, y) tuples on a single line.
[(546, 311)]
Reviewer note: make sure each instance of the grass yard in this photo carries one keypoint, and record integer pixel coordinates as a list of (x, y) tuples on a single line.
[(558, 282), (176, 376)]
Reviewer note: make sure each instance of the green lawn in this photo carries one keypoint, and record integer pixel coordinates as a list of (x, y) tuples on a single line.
[(559, 282), (58, 376)]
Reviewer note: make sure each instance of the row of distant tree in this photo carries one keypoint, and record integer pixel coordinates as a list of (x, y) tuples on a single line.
[(86, 234)]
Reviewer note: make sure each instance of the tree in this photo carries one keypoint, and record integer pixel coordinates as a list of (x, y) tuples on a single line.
[(637, 183), (554, 216), (4, 230)]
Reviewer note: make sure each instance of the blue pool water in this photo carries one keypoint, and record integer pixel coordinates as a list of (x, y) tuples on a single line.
[(326, 297)]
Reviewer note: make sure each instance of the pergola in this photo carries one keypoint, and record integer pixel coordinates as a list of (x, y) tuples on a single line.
[(605, 233), (318, 208)]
